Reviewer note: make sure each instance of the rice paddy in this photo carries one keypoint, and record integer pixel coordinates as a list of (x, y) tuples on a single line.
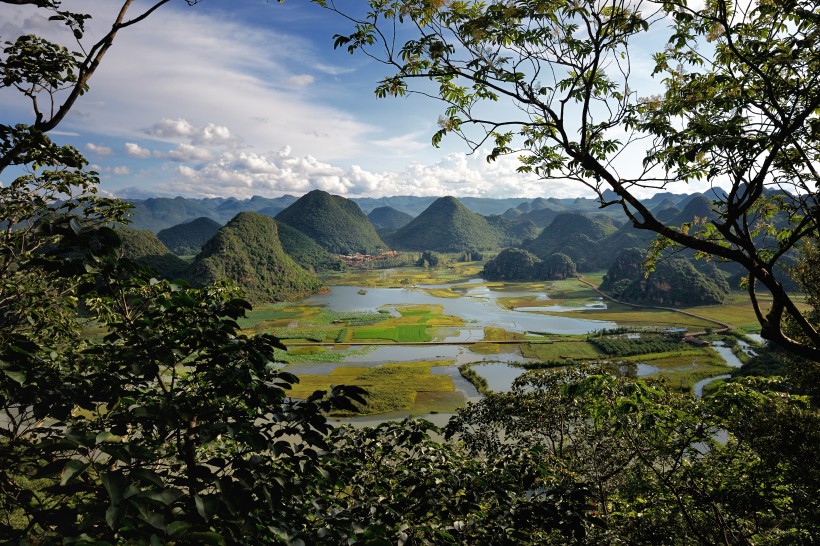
[(391, 387), (317, 335)]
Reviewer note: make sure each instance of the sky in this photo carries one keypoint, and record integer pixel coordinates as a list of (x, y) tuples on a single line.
[(249, 97)]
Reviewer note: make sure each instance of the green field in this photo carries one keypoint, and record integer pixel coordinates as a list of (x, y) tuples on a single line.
[(681, 370), (317, 335), (575, 350), (392, 387), (412, 333)]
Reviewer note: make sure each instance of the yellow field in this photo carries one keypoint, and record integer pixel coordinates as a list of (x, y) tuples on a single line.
[(392, 387)]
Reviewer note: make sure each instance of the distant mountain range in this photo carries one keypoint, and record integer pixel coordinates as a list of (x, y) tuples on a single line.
[(275, 259), (158, 213)]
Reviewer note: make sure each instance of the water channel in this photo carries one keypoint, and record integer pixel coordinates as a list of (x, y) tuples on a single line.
[(478, 306)]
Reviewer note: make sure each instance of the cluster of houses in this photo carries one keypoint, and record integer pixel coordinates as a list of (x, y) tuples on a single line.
[(365, 260)]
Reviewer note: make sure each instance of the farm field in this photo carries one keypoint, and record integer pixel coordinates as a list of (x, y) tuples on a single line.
[(404, 342)]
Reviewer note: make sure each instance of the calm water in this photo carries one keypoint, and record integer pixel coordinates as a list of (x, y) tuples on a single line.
[(478, 307)]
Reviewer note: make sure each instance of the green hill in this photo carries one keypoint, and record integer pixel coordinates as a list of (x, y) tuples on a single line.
[(388, 218), (248, 251), (189, 237), (574, 235), (305, 251), (674, 283), (337, 224), (448, 226), (147, 250)]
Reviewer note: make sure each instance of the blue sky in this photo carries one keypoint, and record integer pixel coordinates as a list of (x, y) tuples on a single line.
[(249, 97)]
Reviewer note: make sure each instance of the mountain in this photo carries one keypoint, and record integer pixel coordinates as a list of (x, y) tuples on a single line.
[(147, 250), (388, 218), (162, 212), (337, 224), (516, 264), (248, 251), (270, 206), (188, 238), (448, 226), (512, 264), (574, 235), (674, 283), (305, 251)]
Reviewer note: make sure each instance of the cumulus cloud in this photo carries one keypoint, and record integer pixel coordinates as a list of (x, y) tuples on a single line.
[(121, 171), (171, 128), (189, 152), (135, 150), (243, 174), (99, 150)]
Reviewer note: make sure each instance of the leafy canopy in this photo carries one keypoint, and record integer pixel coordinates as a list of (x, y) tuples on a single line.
[(738, 109)]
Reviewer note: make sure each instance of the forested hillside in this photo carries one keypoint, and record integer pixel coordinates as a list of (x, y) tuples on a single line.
[(448, 226), (337, 224), (575, 235), (674, 283), (247, 250), (388, 219), (305, 251), (146, 249), (188, 238)]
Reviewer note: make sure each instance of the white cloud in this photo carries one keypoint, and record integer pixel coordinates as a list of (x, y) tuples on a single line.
[(213, 134), (244, 174), (99, 150), (171, 128), (189, 152), (135, 150), (189, 70), (301, 80), (121, 171)]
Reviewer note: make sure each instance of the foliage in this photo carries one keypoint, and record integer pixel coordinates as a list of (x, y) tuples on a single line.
[(388, 218), (187, 238), (247, 250), (337, 224), (576, 235), (739, 107), (512, 264), (650, 458), (428, 258), (625, 345), (674, 282)]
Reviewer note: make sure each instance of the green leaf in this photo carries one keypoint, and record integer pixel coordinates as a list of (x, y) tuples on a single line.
[(15, 375), (206, 506), (71, 470), (176, 529), (107, 436), (115, 483), (206, 538)]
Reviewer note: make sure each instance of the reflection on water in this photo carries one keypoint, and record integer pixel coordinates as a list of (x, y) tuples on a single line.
[(727, 354), (499, 376), (479, 312), (478, 308), (698, 387)]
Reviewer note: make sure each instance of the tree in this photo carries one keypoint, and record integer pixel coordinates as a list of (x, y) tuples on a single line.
[(169, 425), (738, 108), (651, 460)]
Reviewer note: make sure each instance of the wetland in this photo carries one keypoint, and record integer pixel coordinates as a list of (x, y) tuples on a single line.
[(421, 341)]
